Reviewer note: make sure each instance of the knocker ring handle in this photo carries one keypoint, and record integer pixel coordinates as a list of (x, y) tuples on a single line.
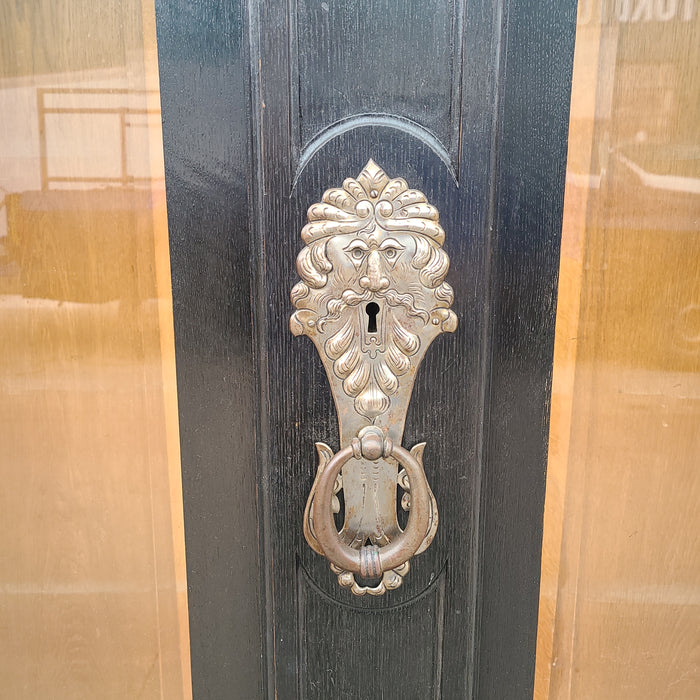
[(372, 561)]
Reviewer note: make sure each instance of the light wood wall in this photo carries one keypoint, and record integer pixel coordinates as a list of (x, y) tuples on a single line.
[(93, 599), (620, 595)]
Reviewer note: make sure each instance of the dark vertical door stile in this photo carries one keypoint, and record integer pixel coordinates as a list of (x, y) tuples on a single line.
[(265, 106), (204, 75)]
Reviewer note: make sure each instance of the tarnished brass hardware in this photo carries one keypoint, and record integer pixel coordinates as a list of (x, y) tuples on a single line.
[(372, 297)]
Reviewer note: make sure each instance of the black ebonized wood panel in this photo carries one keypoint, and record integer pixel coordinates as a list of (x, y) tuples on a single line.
[(414, 665), (204, 69), (255, 131), (375, 57)]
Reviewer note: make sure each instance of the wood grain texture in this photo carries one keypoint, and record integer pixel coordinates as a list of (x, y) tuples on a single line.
[(92, 576), (622, 500), (367, 73), (481, 396), (204, 79), (579, 160), (414, 664)]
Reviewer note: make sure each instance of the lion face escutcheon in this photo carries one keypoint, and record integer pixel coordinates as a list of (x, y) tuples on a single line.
[(372, 297)]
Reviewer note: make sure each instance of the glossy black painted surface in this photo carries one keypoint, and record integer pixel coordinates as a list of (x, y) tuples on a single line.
[(204, 76), (251, 101)]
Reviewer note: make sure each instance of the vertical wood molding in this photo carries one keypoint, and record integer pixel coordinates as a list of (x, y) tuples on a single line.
[(203, 57)]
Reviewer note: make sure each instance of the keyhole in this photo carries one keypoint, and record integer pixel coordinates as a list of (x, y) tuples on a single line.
[(372, 310)]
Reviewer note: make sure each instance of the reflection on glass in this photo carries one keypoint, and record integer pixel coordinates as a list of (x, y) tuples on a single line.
[(92, 583), (620, 595)]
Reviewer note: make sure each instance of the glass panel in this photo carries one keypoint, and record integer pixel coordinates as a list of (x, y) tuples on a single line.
[(620, 594), (92, 568)]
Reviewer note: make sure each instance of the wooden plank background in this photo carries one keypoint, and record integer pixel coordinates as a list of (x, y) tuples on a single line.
[(93, 600), (619, 599)]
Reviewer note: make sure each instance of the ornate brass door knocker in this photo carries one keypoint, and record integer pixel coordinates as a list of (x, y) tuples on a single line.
[(372, 297)]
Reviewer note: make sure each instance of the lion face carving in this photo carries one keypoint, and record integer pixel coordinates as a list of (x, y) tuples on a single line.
[(372, 294)]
